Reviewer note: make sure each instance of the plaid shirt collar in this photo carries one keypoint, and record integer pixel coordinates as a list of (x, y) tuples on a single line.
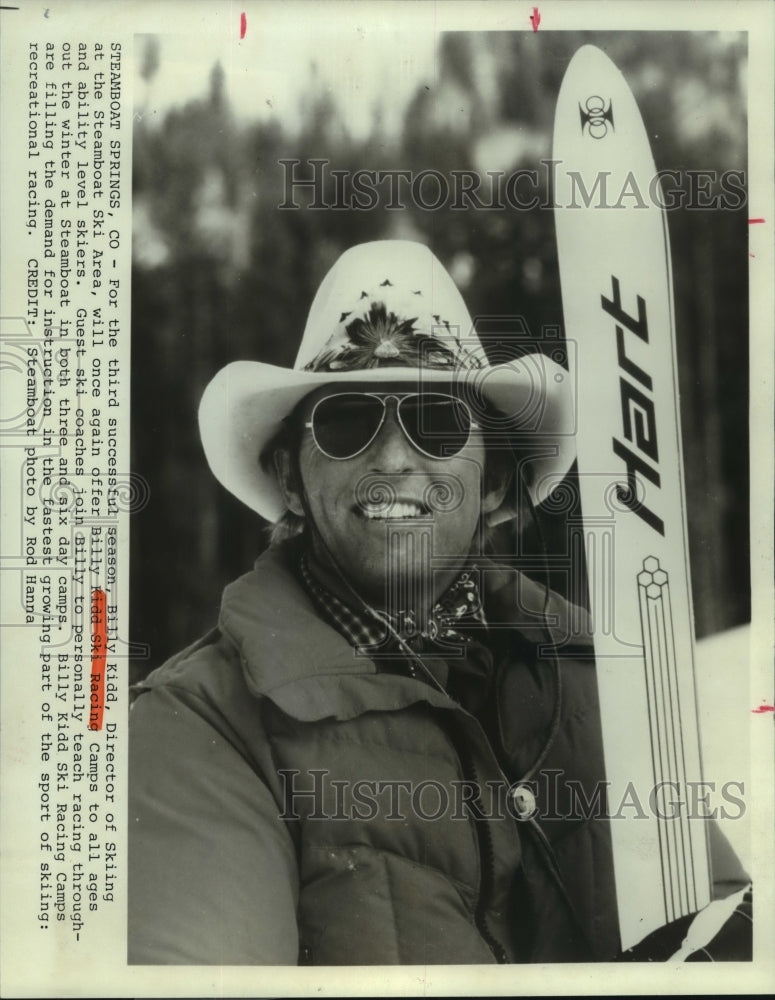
[(451, 621)]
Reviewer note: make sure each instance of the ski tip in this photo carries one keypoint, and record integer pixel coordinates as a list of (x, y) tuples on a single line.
[(590, 59)]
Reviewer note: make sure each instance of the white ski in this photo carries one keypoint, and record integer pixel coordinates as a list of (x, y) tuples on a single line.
[(615, 270)]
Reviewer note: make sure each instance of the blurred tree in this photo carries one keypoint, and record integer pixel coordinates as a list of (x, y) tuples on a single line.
[(149, 57)]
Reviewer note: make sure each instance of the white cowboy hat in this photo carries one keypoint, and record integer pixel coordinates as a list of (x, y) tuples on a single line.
[(386, 312)]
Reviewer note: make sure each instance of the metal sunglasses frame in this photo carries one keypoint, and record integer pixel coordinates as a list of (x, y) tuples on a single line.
[(384, 398)]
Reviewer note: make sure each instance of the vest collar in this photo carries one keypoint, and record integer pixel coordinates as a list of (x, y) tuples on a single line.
[(303, 664), (311, 672)]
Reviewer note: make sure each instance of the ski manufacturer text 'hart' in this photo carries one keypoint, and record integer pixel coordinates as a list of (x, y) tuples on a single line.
[(638, 415)]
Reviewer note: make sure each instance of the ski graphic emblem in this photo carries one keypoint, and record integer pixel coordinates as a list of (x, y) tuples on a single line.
[(615, 272)]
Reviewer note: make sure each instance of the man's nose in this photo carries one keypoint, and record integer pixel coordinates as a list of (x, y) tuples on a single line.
[(391, 450)]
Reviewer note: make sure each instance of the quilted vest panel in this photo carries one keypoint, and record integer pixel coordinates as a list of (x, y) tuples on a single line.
[(392, 867)]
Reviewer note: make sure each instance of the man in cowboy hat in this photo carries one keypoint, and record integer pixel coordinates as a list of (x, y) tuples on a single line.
[(346, 769)]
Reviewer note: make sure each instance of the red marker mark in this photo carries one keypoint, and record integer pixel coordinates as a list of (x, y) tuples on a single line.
[(99, 647), (243, 24), (764, 707), (752, 222), (535, 18)]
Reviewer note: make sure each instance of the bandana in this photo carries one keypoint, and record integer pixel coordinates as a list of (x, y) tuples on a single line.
[(449, 643), (453, 615)]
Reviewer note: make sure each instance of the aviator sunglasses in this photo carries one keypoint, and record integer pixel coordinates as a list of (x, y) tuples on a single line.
[(344, 424)]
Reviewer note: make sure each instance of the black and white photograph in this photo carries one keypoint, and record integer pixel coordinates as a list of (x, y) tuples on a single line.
[(387, 748), (423, 356)]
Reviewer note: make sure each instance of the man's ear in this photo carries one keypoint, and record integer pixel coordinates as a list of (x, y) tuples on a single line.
[(287, 479), (497, 479)]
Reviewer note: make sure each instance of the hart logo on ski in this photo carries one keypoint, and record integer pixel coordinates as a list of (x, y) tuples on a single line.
[(596, 117), (638, 415)]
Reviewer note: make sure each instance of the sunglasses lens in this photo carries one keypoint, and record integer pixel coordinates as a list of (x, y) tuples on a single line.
[(437, 424), (344, 424)]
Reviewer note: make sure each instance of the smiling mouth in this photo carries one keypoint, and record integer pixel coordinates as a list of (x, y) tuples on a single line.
[(396, 510)]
